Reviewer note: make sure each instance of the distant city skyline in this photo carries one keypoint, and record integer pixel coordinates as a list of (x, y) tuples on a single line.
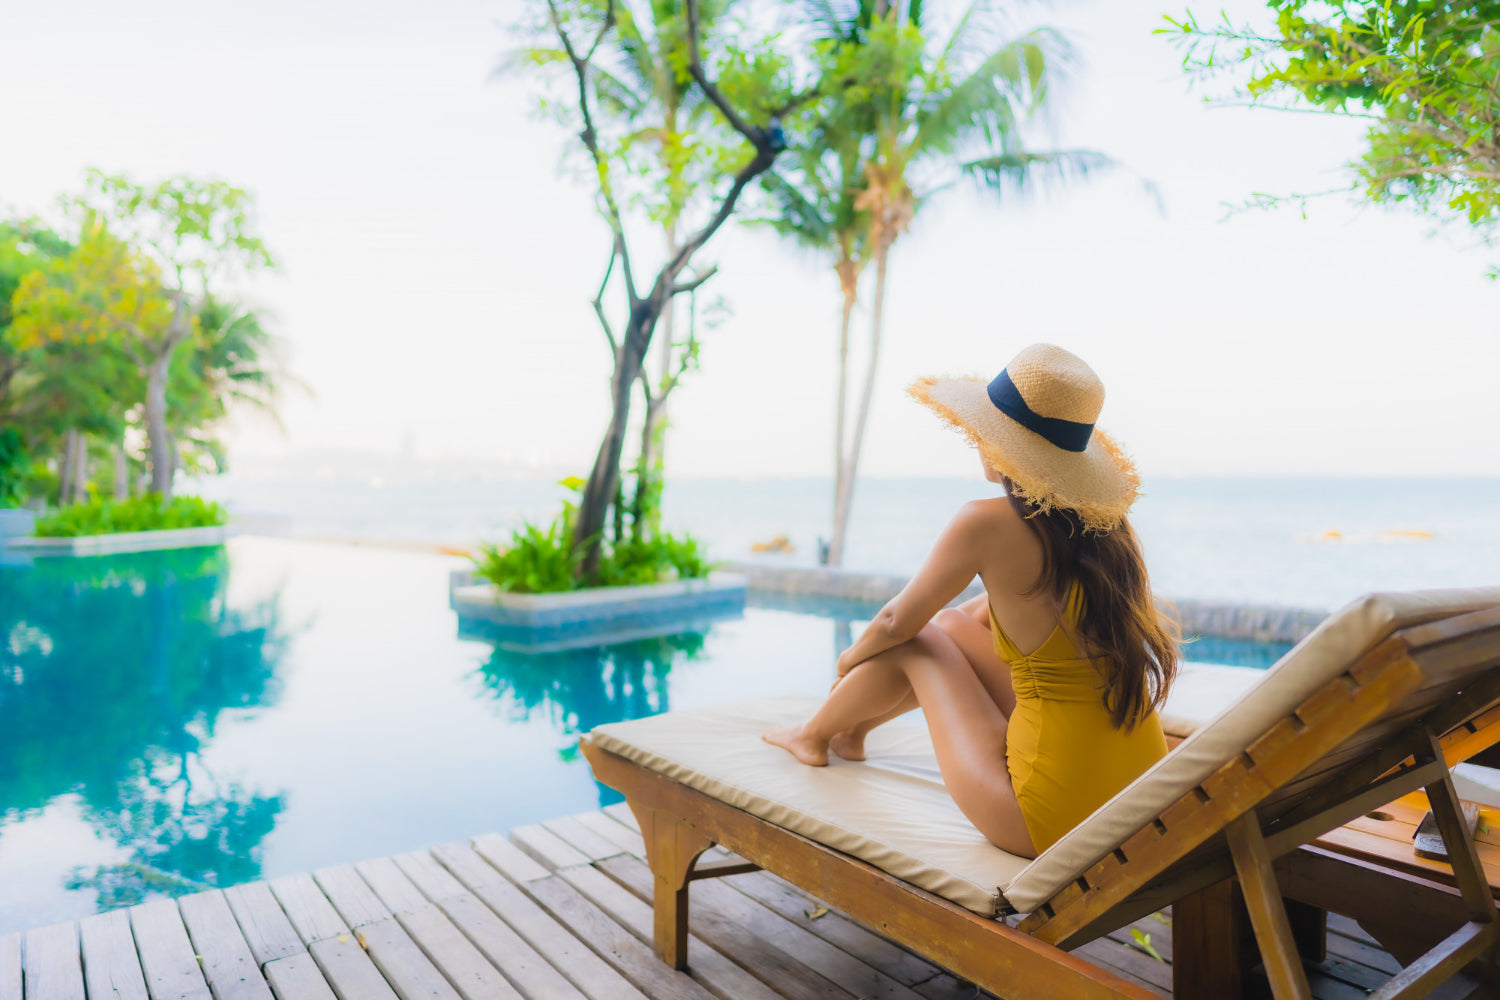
[(438, 267)]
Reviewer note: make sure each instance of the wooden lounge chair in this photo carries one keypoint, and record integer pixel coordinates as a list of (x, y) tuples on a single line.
[(1377, 702)]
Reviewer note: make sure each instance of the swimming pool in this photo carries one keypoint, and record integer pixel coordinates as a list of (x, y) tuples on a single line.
[(175, 720)]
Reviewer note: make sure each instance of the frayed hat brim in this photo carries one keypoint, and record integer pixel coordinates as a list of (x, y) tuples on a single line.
[(1099, 483)]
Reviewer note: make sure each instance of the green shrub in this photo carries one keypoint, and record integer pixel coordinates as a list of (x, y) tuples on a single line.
[(541, 561), (537, 561), (142, 513)]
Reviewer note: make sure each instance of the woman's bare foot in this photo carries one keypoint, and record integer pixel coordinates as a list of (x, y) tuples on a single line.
[(850, 744), (793, 739)]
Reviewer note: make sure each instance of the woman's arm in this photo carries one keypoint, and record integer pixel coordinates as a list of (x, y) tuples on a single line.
[(952, 563)]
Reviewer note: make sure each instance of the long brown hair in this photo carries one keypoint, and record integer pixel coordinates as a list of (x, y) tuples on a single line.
[(1121, 626)]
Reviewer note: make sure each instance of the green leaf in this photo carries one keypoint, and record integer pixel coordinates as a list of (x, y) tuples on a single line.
[(1143, 942)]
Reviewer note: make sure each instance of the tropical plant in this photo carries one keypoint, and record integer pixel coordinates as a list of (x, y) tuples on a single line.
[(543, 559), (148, 255), (232, 363), (148, 512), (749, 91), (1423, 75), (904, 116), (538, 560)]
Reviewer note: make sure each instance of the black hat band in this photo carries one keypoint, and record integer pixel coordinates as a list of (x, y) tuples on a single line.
[(1069, 435)]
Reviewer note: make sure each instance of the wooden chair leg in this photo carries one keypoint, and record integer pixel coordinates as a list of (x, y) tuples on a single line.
[(672, 848), (1273, 932), (1462, 853), (1212, 946)]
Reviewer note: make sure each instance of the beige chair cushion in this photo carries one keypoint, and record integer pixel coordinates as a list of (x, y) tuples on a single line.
[(892, 810)]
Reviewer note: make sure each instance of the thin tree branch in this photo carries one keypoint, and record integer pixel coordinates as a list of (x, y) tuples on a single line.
[(756, 136), (598, 303), (692, 286), (589, 136)]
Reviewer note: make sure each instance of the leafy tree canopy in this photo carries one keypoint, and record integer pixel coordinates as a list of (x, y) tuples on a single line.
[(1424, 75)]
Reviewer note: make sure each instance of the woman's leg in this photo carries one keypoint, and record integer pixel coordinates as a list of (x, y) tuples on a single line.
[(967, 726), (977, 643)]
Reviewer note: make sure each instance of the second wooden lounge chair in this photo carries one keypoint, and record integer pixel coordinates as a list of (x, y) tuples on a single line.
[(1377, 702)]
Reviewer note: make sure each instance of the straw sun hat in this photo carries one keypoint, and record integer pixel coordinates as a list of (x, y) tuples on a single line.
[(1034, 424)]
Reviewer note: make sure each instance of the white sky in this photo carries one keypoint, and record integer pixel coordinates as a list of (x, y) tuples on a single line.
[(437, 269)]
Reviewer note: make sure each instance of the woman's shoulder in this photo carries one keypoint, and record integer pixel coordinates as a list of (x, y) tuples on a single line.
[(989, 514), (992, 524)]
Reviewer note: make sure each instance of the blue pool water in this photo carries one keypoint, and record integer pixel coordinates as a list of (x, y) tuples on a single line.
[(175, 720)]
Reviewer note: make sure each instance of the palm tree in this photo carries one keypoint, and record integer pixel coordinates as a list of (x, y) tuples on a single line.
[(233, 364), (820, 211), (922, 116)]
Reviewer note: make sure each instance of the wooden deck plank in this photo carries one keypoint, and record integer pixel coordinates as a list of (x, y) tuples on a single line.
[(465, 966), (223, 953), (546, 847), (1126, 963), (581, 838), (167, 957), (837, 929), (307, 908), (356, 902), (946, 986), (349, 969), (551, 939), (1369, 955), (709, 966), (409, 971), (522, 964), (51, 967), (401, 961), (793, 904), (614, 831), (267, 930), (297, 977), (628, 955), (620, 813), (734, 908), (111, 967), (10, 967), (509, 859)]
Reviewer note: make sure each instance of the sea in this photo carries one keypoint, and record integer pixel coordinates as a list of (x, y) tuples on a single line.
[(1311, 543)]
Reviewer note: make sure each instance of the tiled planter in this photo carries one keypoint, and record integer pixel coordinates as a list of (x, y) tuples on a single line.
[(599, 616), (133, 541)]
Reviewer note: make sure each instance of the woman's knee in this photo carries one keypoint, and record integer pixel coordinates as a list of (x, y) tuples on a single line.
[(949, 619), (935, 643)]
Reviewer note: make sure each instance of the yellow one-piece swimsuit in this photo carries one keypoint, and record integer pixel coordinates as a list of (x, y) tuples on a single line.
[(1064, 754)]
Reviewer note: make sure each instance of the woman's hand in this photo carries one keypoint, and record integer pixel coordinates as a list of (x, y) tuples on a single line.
[(844, 664)]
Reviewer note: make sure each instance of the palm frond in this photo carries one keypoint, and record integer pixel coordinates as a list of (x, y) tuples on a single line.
[(1027, 174)]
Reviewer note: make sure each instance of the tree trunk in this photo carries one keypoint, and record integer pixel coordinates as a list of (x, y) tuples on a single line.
[(81, 470), (65, 469), (604, 479), (654, 432), (156, 425), (845, 497), (122, 470), (849, 284)]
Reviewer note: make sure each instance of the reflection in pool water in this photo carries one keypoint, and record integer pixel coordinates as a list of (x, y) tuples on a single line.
[(113, 673), (203, 717)]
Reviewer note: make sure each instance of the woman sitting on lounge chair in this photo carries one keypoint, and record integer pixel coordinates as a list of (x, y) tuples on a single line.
[(1041, 697)]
